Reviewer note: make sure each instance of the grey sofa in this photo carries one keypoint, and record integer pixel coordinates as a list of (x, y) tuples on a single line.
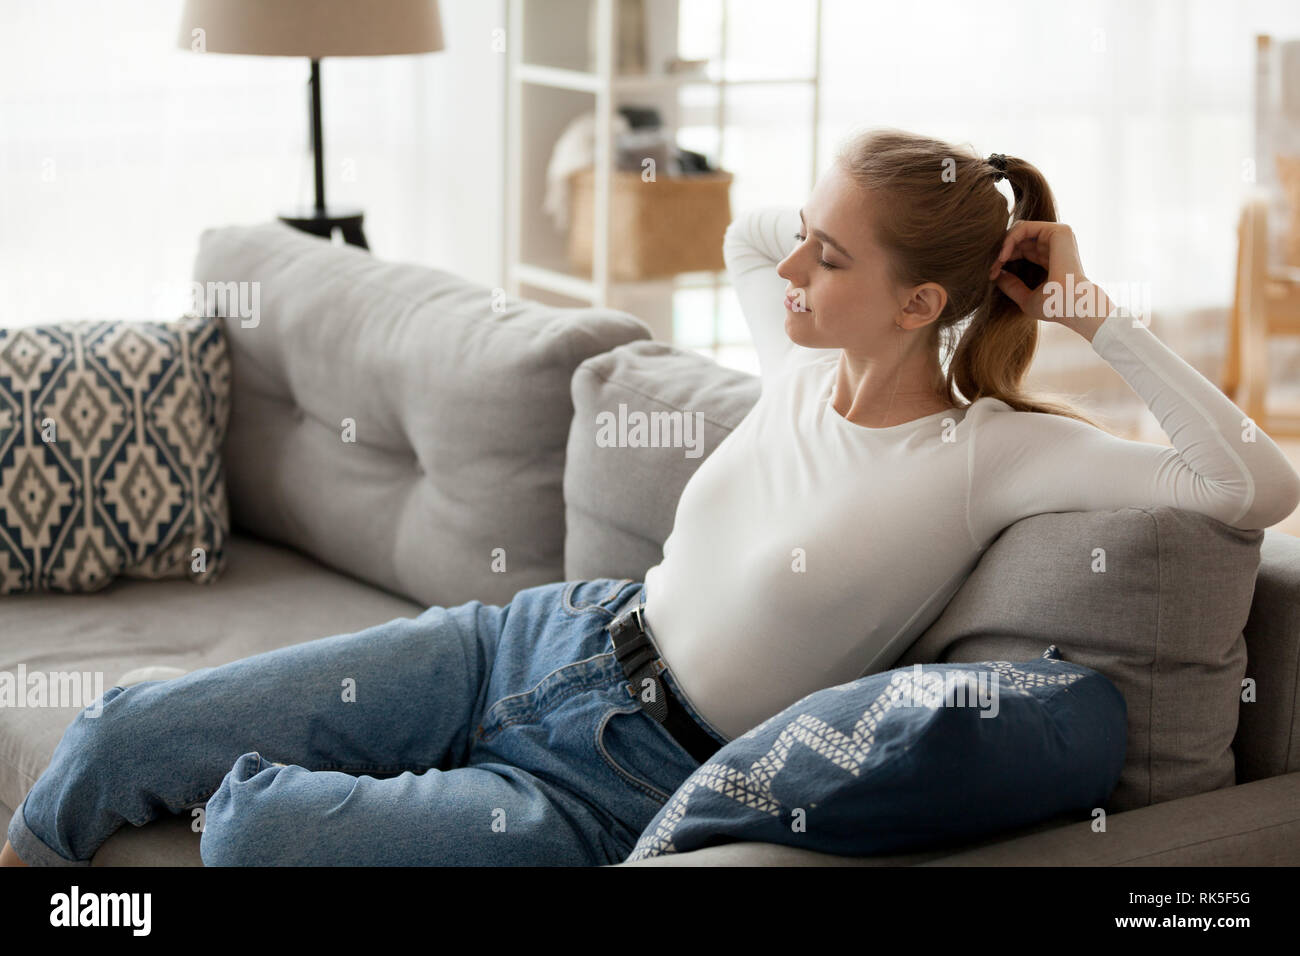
[(475, 415)]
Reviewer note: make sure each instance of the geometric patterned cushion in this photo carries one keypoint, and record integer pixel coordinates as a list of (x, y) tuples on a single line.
[(110, 453), (905, 760)]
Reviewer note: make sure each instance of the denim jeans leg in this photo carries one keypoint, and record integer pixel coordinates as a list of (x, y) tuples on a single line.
[(399, 696), (536, 791), (484, 815)]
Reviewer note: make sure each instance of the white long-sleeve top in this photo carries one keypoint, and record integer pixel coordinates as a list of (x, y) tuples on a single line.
[(808, 551)]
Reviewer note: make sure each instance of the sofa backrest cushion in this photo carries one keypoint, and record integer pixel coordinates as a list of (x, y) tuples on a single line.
[(1154, 598), (620, 500), (1164, 620), (389, 421)]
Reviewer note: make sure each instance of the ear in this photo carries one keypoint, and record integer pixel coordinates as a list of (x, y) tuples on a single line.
[(924, 304)]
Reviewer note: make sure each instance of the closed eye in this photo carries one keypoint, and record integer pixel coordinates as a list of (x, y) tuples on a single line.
[(820, 261)]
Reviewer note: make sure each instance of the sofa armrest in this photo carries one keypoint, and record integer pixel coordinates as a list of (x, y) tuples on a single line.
[(1267, 742), (1252, 824)]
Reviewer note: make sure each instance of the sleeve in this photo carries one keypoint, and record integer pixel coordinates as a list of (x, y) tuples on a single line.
[(754, 244), (1221, 465)]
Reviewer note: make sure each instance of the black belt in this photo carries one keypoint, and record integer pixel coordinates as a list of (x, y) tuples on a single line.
[(641, 663)]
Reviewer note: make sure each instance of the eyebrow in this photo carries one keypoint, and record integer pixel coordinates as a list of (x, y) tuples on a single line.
[(823, 237)]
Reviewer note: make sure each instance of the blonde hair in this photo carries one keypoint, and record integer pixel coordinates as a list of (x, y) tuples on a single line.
[(940, 218)]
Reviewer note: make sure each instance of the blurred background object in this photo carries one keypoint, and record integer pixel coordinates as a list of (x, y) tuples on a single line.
[(636, 196), (669, 206), (314, 29), (1266, 307)]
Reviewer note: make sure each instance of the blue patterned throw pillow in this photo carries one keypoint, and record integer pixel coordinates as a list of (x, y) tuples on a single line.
[(908, 759), (110, 453)]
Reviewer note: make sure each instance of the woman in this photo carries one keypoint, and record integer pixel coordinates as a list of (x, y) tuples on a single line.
[(816, 542)]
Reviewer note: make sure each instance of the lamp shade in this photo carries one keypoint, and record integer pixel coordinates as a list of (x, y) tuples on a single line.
[(313, 28)]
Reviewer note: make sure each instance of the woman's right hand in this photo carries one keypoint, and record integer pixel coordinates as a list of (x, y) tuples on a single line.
[(1050, 245)]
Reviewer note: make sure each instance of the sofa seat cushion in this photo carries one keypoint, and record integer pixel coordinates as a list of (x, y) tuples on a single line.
[(399, 423), (267, 598)]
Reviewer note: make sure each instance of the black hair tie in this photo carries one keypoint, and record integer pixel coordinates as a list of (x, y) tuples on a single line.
[(999, 163)]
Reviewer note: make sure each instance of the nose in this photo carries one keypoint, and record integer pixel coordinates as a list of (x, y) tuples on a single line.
[(787, 269)]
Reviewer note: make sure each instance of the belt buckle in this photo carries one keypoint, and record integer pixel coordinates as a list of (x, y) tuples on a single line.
[(639, 618), (620, 623)]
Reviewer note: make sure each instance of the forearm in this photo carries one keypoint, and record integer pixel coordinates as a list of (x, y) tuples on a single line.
[(1241, 469)]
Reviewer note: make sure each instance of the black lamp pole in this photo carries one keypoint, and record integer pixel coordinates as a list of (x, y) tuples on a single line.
[(320, 220), (317, 138)]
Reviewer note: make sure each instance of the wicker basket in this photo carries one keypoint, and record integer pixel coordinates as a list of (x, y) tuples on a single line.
[(660, 228)]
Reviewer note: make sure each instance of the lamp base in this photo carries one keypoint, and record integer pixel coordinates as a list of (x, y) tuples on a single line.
[(323, 222)]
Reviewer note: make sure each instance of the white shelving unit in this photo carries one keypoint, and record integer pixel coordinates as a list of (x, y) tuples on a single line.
[(561, 64)]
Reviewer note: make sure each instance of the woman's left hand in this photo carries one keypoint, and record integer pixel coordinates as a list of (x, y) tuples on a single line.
[(1052, 246)]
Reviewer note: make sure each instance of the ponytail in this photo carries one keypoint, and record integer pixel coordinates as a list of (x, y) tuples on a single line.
[(995, 351)]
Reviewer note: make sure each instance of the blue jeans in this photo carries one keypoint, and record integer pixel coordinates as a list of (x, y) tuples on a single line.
[(468, 735)]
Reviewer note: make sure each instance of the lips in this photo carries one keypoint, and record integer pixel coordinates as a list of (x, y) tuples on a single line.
[(790, 304)]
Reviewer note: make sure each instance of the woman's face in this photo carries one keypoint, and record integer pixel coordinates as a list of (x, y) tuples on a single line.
[(840, 293)]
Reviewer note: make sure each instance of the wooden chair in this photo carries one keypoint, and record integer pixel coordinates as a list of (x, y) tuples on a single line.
[(1267, 299), (1266, 305)]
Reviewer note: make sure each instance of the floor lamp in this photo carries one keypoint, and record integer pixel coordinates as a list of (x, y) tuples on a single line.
[(314, 29)]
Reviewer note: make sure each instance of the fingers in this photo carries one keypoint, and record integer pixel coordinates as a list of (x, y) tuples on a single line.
[(1034, 250), (1015, 290), (1029, 239)]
